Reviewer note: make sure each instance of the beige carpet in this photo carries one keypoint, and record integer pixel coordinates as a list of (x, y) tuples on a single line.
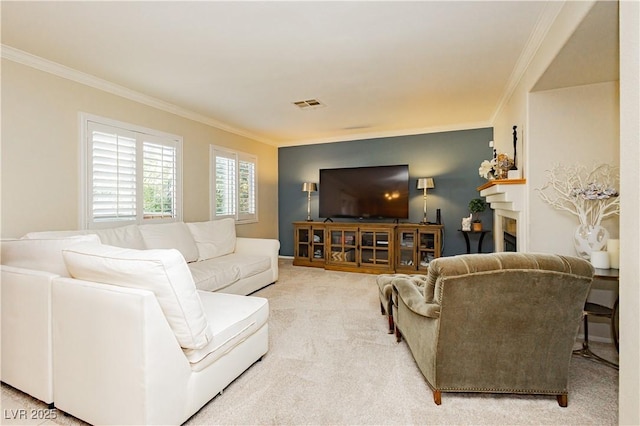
[(331, 362)]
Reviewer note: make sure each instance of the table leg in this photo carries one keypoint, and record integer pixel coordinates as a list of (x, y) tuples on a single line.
[(480, 241), (466, 240)]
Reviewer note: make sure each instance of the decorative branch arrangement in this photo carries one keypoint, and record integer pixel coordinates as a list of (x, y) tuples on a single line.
[(589, 195)]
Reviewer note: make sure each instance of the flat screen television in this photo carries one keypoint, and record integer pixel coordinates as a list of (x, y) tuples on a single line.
[(379, 192)]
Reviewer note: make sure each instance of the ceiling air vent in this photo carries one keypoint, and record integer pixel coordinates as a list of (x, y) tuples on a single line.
[(309, 104)]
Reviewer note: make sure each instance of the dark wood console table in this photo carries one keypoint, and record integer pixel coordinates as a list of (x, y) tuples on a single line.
[(466, 238)]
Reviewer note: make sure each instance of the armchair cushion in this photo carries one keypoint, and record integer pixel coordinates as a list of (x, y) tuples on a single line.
[(164, 272), (413, 297)]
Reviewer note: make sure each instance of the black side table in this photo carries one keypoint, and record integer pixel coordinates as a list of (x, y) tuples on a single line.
[(466, 238), (596, 310)]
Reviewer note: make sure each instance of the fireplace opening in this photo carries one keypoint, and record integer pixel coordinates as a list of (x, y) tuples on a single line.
[(509, 234)]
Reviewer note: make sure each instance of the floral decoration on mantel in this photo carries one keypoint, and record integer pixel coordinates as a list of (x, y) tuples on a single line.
[(591, 195), (496, 168)]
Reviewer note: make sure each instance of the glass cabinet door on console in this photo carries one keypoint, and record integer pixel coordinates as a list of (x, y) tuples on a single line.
[(406, 251), (417, 245), (429, 238), (342, 246), (309, 242), (374, 248)]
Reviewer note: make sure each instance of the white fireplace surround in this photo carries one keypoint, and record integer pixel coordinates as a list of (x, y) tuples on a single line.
[(507, 198)]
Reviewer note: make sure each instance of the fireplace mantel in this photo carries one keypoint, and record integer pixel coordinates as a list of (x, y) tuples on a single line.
[(507, 198), (495, 182)]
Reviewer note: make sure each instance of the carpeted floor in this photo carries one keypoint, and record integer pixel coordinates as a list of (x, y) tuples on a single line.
[(331, 362)]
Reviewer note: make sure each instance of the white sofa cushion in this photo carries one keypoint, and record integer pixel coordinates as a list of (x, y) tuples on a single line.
[(233, 319), (164, 272), (174, 235), (214, 274), (250, 265), (128, 236), (51, 235), (123, 236), (214, 238), (42, 254)]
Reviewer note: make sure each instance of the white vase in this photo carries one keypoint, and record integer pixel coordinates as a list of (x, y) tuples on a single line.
[(588, 238)]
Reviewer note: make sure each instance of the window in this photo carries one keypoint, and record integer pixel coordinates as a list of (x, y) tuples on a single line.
[(233, 176), (130, 174)]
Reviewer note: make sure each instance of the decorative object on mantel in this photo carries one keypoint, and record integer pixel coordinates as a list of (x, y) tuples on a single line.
[(497, 168), (515, 141), (513, 172), (590, 195), (502, 166), (477, 205)]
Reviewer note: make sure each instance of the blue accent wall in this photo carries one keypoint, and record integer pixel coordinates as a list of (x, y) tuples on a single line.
[(451, 158)]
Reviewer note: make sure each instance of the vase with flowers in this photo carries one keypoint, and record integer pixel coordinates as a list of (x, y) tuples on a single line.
[(591, 195), (496, 168)]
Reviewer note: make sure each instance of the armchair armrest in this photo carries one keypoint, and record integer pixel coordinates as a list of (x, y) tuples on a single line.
[(414, 299)]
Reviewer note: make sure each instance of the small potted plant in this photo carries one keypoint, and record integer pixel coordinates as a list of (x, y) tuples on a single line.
[(477, 205)]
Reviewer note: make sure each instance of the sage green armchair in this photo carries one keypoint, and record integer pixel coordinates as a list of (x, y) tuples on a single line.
[(496, 323)]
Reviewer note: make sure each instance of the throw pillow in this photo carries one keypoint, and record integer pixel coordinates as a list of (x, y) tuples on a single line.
[(164, 272), (174, 235), (214, 238)]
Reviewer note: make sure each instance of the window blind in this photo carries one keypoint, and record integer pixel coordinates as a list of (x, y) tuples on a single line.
[(113, 176)]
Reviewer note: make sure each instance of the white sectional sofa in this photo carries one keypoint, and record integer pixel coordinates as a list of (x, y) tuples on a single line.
[(122, 329), (217, 258)]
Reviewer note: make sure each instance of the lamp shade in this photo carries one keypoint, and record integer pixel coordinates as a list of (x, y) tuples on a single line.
[(309, 187), (425, 183)]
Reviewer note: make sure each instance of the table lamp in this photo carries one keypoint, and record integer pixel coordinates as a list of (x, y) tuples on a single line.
[(424, 184), (309, 187)]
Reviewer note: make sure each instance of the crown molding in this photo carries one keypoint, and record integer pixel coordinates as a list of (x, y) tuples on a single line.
[(389, 134), (39, 63), (543, 25)]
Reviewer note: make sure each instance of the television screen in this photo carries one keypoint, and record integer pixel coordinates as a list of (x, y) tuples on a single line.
[(380, 192)]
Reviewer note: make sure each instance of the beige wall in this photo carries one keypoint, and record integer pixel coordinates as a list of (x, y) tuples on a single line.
[(575, 125), (40, 150)]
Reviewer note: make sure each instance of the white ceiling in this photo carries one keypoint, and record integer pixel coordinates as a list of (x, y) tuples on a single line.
[(380, 68)]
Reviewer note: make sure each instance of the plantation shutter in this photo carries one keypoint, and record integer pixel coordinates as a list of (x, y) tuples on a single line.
[(234, 184), (129, 174), (113, 174), (225, 184), (246, 189), (159, 165)]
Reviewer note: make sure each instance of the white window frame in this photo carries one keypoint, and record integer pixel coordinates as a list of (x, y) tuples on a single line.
[(141, 135), (237, 157)]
